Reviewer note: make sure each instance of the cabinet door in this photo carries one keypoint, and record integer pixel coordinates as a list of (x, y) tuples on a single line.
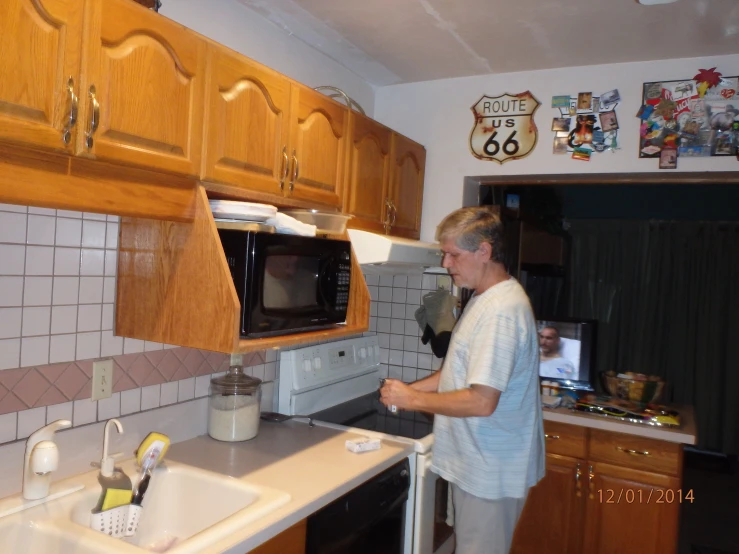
[(406, 186), (40, 54), (247, 129), (630, 510), (290, 541), (318, 137), (369, 173), (143, 90), (551, 522)]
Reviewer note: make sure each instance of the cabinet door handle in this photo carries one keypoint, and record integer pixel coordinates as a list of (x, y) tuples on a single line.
[(73, 108), (296, 171), (94, 118), (386, 222), (552, 437), (285, 167), (633, 452), (591, 482), (578, 482)]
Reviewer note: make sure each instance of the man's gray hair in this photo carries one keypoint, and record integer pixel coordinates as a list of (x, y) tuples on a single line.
[(470, 227)]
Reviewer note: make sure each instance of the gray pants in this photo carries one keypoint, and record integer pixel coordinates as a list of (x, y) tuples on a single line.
[(484, 526)]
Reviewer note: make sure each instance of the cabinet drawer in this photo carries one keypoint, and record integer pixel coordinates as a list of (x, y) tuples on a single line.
[(566, 440), (636, 452)]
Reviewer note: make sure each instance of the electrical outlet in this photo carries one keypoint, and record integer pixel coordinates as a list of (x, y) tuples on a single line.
[(102, 379)]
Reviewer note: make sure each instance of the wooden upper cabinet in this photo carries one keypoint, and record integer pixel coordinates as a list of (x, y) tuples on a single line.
[(40, 54), (551, 522), (143, 89), (406, 186), (631, 511), (247, 123), (369, 173), (318, 137)]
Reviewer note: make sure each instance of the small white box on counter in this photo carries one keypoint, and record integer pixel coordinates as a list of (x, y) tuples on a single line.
[(362, 444)]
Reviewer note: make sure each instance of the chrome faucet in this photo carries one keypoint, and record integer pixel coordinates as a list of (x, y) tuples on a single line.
[(41, 458)]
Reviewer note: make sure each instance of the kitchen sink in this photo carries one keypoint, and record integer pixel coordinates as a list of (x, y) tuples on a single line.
[(186, 509)]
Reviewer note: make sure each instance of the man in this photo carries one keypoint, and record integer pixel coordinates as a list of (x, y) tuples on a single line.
[(489, 438), (552, 364)]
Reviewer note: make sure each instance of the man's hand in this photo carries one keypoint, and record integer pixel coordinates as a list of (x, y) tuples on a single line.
[(396, 393)]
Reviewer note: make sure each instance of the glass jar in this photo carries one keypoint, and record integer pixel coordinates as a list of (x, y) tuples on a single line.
[(234, 406)]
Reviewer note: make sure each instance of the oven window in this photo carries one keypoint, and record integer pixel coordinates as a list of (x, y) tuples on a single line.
[(290, 282)]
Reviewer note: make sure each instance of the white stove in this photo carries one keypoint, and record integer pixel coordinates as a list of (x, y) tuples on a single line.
[(337, 385)]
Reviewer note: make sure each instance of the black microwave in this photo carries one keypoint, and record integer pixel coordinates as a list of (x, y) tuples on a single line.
[(287, 283)]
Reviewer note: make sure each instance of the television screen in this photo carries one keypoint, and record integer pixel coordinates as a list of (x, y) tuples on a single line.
[(566, 351)]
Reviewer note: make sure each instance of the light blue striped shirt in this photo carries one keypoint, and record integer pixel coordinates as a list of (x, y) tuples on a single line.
[(494, 344)]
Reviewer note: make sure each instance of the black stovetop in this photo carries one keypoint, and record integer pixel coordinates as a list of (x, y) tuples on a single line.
[(367, 412)]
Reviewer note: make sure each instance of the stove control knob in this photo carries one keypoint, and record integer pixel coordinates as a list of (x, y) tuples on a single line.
[(306, 365), (316, 363)]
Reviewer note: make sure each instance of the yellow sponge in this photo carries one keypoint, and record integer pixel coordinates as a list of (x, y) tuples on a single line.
[(116, 497), (152, 440)]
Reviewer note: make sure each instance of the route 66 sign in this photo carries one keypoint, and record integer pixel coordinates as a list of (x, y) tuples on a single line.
[(504, 127)]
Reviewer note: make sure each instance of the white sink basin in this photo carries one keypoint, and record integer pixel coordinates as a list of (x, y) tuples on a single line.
[(31, 538), (189, 508), (185, 509)]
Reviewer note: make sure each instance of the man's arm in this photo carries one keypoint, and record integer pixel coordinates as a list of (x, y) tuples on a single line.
[(475, 401)]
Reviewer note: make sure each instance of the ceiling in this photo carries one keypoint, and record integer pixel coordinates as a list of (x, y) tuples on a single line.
[(399, 41)]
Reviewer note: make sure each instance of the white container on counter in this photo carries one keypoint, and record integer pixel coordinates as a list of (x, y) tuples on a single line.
[(234, 406)]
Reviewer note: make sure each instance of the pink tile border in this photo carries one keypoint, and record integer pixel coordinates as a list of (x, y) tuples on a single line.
[(34, 387)]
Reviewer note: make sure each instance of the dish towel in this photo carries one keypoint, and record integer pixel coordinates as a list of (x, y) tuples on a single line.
[(436, 319)]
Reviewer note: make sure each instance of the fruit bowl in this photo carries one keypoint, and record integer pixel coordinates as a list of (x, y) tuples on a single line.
[(637, 387)]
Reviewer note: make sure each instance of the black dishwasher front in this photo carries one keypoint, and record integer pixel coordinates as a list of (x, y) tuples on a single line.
[(367, 520)]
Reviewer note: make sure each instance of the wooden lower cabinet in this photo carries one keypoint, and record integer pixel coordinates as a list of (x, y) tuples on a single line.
[(628, 503), (551, 522), (290, 541), (631, 511)]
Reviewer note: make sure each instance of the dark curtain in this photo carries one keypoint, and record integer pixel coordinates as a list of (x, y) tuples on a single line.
[(666, 296)]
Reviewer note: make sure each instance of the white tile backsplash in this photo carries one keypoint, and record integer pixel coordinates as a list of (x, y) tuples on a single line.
[(89, 317), (59, 411), (62, 348), (85, 411), (30, 420), (10, 322), (68, 232), (10, 353), (91, 290), (41, 230), (13, 208), (34, 351), (63, 319), (186, 389), (13, 257), (109, 407), (11, 291), (93, 234), (130, 401), (67, 261), (36, 321), (65, 291), (88, 345), (150, 397), (8, 424), (169, 393), (13, 227), (37, 291), (93, 262)]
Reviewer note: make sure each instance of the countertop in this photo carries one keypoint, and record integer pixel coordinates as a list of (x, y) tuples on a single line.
[(685, 434), (309, 463)]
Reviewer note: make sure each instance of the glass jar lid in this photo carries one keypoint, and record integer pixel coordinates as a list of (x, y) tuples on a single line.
[(235, 382)]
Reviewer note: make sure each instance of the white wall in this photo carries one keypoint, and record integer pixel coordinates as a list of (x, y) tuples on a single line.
[(437, 114), (240, 28)]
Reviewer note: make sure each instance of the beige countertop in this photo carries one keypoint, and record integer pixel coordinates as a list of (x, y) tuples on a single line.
[(685, 434), (311, 464)]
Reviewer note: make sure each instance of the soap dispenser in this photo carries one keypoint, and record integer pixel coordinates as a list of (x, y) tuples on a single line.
[(115, 483)]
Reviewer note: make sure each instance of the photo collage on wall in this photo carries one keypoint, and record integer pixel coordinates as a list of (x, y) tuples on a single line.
[(586, 124), (696, 117)]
